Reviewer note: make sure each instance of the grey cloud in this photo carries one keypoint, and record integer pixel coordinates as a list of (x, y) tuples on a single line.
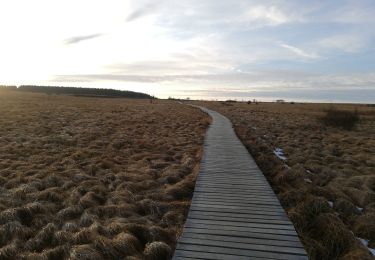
[(142, 10), (111, 77), (78, 39)]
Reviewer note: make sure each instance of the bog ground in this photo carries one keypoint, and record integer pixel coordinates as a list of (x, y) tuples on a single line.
[(110, 178), (94, 178)]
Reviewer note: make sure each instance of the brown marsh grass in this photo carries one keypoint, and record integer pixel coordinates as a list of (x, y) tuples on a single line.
[(327, 182), (90, 178)]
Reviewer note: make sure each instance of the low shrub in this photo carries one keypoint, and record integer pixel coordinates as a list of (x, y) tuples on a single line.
[(340, 118)]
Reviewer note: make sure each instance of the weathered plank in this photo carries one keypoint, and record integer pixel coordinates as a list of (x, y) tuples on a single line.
[(240, 224), (267, 204), (250, 246), (238, 215), (234, 213), (245, 234), (238, 252), (245, 240), (229, 227), (235, 210), (197, 215), (244, 208)]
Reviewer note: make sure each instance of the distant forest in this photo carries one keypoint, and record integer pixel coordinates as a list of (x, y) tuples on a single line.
[(75, 91)]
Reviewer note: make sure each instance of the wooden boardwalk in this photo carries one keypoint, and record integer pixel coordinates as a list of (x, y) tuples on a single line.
[(234, 213)]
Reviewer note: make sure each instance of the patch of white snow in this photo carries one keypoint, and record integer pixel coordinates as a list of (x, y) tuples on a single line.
[(365, 243), (280, 154)]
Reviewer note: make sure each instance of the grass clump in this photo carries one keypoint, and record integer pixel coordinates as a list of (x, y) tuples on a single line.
[(157, 250), (340, 118), (331, 231)]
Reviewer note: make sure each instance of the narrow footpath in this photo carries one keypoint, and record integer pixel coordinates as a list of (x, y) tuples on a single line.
[(234, 213)]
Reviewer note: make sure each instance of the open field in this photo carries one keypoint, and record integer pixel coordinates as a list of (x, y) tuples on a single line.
[(90, 178), (324, 176)]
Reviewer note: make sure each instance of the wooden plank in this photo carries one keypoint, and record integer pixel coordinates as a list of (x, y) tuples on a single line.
[(239, 224), (262, 187), (235, 191), (248, 210), (233, 181), (237, 211), (238, 252), (237, 202), (249, 179), (245, 200), (195, 215), (245, 174), (234, 186), (238, 206), (243, 229), (237, 214), (245, 234), (245, 240), (249, 246), (232, 196), (232, 212), (223, 173), (208, 255)]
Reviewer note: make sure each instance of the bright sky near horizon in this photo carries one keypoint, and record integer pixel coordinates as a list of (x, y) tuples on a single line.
[(212, 49)]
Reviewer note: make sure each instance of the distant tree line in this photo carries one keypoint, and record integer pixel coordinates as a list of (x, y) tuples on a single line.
[(5, 87), (92, 92)]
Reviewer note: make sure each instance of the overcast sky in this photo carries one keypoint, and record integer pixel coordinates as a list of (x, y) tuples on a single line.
[(214, 49)]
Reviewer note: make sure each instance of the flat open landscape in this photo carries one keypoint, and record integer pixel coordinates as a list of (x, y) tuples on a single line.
[(95, 178), (324, 176)]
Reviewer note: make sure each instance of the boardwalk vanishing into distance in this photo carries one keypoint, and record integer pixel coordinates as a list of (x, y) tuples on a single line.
[(234, 213)]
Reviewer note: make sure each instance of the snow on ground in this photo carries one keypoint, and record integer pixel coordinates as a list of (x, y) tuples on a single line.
[(280, 153), (365, 243)]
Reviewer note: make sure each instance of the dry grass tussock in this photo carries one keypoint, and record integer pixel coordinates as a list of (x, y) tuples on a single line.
[(325, 175), (86, 178)]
